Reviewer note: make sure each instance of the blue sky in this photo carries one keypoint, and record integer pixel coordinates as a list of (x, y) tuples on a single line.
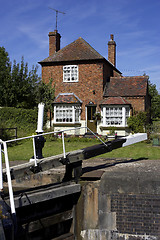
[(25, 26)]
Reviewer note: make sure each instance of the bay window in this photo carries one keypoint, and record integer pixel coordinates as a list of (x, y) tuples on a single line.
[(115, 115), (66, 113)]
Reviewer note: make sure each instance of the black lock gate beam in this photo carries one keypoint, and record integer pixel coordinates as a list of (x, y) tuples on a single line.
[(73, 160)]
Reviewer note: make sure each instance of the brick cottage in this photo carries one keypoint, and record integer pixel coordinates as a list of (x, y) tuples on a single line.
[(89, 89)]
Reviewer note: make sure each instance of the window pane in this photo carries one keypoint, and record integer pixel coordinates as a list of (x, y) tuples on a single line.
[(64, 113), (114, 116), (77, 113), (70, 73), (127, 114)]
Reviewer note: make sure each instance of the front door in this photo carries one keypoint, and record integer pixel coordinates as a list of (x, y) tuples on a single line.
[(91, 123)]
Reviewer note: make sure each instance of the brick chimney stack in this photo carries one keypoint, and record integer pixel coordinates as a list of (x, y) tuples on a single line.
[(54, 42), (112, 50)]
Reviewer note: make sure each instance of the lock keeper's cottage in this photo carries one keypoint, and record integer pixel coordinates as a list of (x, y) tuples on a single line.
[(89, 89)]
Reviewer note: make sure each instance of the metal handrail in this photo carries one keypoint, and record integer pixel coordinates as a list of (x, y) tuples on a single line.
[(11, 196)]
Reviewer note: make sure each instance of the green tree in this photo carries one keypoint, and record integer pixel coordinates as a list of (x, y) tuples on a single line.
[(137, 122), (5, 78), (24, 85), (46, 94), (155, 101), (18, 85)]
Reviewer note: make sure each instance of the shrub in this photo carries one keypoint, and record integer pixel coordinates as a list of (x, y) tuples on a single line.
[(24, 119), (137, 122), (112, 130)]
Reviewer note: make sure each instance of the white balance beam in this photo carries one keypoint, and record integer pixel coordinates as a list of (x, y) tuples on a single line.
[(135, 138)]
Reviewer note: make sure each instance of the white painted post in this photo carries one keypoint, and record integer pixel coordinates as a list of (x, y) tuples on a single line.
[(40, 118), (123, 116), (104, 116), (12, 205), (34, 151), (64, 151), (73, 114), (54, 114), (1, 170)]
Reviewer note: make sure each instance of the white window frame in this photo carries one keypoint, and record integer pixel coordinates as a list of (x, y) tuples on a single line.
[(66, 112), (117, 115), (70, 73)]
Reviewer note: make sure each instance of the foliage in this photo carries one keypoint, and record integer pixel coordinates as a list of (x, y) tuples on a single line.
[(46, 94), (97, 116), (5, 134), (156, 126), (24, 85), (18, 85), (155, 101), (137, 122), (5, 78), (112, 130), (24, 119)]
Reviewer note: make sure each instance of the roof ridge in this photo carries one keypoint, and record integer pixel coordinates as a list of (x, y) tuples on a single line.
[(90, 46), (74, 51)]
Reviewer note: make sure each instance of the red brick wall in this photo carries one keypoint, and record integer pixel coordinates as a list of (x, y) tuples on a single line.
[(90, 78), (138, 103), (137, 214), (116, 74)]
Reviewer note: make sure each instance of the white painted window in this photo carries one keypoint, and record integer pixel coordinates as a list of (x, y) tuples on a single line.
[(127, 114), (67, 113), (115, 115), (70, 73)]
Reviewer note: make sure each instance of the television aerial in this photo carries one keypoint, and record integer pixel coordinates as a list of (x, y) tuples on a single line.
[(57, 11)]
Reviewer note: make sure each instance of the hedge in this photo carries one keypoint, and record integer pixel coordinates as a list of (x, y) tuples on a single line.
[(24, 119)]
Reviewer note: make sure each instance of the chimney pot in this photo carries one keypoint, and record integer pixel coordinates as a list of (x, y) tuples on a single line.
[(112, 37)]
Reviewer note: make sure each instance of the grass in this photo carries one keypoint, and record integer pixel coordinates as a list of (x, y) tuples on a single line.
[(24, 149), (136, 151)]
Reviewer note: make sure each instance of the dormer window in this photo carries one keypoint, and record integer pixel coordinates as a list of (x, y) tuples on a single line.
[(70, 73)]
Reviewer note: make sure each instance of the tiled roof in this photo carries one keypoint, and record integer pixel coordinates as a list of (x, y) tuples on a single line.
[(115, 101), (77, 50), (67, 98), (126, 86)]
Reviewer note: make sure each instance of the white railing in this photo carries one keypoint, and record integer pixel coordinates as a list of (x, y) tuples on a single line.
[(4, 143)]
